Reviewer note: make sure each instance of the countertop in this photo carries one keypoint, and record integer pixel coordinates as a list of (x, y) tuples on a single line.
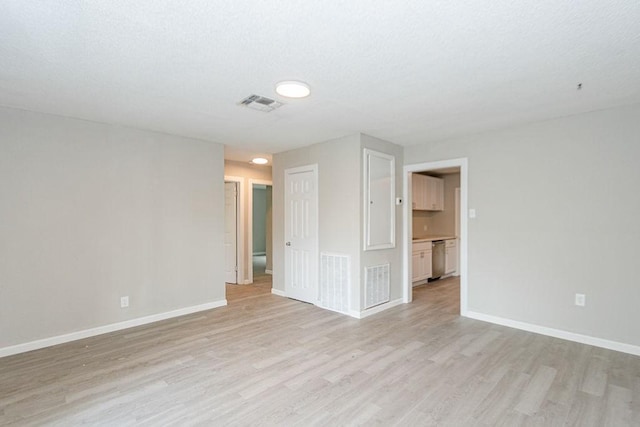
[(431, 238)]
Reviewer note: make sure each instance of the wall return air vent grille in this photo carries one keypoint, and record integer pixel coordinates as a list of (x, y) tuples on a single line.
[(376, 285), (334, 281), (260, 103)]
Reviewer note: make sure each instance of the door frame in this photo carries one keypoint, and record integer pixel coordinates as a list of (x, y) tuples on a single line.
[(313, 168), (234, 185), (250, 224), (240, 279), (462, 163)]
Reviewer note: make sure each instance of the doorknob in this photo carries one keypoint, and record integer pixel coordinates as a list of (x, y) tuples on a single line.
[(288, 243)]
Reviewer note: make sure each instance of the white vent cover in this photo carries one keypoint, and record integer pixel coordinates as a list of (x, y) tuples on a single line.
[(260, 103), (376, 285), (334, 282)]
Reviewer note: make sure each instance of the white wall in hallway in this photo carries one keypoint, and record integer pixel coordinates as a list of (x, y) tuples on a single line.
[(259, 207), (248, 171)]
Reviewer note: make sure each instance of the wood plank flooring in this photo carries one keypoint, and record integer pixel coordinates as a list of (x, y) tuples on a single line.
[(267, 360)]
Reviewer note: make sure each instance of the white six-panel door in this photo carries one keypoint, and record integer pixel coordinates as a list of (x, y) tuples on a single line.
[(301, 233), (230, 233)]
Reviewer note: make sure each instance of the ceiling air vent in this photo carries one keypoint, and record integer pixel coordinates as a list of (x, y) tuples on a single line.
[(260, 103)]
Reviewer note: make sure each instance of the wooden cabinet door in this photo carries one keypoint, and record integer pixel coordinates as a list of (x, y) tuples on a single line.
[(420, 261), (417, 269), (434, 194), (430, 199), (451, 257), (418, 191), (427, 265), (438, 194), (427, 193)]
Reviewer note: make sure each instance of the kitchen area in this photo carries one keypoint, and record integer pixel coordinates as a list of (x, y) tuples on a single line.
[(435, 203)]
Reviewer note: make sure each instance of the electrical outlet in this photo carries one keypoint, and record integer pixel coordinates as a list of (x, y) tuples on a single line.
[(472, 213), (124, 302), (581, 300), (424, 228)]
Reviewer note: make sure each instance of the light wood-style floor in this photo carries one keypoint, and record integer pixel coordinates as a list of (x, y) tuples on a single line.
[(267, 360)]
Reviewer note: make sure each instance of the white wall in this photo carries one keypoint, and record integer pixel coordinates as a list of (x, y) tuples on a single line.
[(383, 256), (339, 176), (557, 214), (340, 172), (91, 212)]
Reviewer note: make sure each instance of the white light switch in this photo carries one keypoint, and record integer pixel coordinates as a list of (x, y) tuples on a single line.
[(472, 213)]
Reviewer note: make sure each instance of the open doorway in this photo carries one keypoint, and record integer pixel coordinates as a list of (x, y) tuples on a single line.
[(435, 228), (260, 226)]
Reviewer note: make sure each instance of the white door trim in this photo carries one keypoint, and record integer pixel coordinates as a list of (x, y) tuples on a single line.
[(250, 224), (239, 224), (229, 218), (462, 163)]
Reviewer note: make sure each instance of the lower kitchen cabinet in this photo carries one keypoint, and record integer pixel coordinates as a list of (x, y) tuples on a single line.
[(451, 256), (421, 261)]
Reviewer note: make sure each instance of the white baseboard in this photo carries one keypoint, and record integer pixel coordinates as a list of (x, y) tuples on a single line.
[(556, 333), (268, 272), (278, 292), (73, 336), (374, 310)]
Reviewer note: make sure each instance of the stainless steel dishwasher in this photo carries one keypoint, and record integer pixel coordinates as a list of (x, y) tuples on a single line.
[(437, 260)]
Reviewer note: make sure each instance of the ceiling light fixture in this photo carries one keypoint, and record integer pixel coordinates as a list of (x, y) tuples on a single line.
[(293, 89), (260, 161)]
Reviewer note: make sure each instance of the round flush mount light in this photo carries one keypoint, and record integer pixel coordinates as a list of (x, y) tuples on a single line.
[(259, 161), (293, 89)]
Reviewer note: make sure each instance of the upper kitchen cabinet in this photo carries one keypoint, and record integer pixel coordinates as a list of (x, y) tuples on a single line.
[(418, 191), (427, 193), (435, 193)]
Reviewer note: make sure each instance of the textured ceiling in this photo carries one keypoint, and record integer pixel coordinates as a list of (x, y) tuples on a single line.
[(405, 71)]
